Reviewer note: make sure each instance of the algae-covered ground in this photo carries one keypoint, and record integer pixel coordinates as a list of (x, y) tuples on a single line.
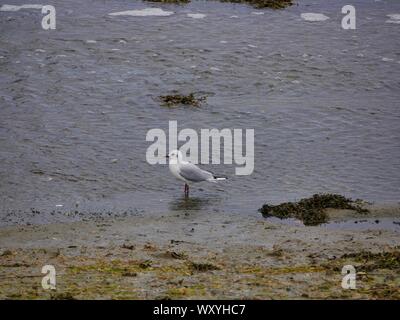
[(197, 255)]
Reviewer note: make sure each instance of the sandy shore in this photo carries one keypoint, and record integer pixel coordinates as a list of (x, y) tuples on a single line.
[(199, 255)]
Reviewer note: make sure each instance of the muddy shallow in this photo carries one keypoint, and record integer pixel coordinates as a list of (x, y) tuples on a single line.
[(184, 256)]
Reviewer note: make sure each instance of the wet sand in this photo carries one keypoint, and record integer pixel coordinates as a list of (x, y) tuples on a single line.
[(199, 255)]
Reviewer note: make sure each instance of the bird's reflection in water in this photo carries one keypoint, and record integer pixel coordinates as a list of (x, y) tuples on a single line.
[(191, 203)]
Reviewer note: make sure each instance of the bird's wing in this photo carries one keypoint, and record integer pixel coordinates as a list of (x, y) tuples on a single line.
[(192, 173)]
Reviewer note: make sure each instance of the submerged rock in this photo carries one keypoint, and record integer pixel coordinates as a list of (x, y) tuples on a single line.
[(311, 210), (177, 99), (259, 4), (169, 1)]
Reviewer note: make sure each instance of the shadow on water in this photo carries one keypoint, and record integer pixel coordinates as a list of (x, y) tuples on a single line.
[(194, 204)]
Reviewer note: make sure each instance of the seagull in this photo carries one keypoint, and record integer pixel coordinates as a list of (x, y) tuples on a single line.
[(188, 172)]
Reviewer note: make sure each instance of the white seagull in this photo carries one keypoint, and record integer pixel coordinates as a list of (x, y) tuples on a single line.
[(188, 172)]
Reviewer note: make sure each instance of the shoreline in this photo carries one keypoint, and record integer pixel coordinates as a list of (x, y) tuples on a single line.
[(34, 216), (194, 255)]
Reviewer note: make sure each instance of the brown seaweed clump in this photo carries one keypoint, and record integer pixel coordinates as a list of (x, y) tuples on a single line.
[(202, 267), (261, 4), (311, 210), (258, 4), (180, 99), (170, 1)]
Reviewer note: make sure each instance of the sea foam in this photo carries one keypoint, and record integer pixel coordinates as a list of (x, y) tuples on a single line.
[(314, 17), (10, 7), (143, 13), (196, 15), (393, 18)]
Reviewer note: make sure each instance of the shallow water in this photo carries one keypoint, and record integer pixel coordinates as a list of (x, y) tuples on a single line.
[(384, 223), (76, 104)]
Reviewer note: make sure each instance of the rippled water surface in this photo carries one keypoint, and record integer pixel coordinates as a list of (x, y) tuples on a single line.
[(76, 104)]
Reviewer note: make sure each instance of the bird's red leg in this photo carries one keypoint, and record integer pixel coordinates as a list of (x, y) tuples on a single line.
[(186, 190)]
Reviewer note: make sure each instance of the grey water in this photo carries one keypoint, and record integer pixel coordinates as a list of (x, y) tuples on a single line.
[(76, 104)]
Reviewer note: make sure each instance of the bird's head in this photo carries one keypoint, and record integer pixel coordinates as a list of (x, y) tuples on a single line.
[(174, 156)]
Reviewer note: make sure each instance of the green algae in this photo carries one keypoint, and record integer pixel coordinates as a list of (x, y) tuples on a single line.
[(186, 291), (369, 261), (114, 267), (106, 280), (283, 270), (172, 276), (383, 292), (376, 272), (311, 210), (128, 268)]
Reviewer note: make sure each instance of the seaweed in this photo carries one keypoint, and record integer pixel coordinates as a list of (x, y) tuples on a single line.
[(311, 210), (145, 264), (176, 255), (170, 1), (128, 246), (258, 4), (276, 252), (202, 267), (4, 253), (384, 292), (129, 274), (185, 291), (373, 261), (261, 4), (62, 296), (100, 277), (181, 99)]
